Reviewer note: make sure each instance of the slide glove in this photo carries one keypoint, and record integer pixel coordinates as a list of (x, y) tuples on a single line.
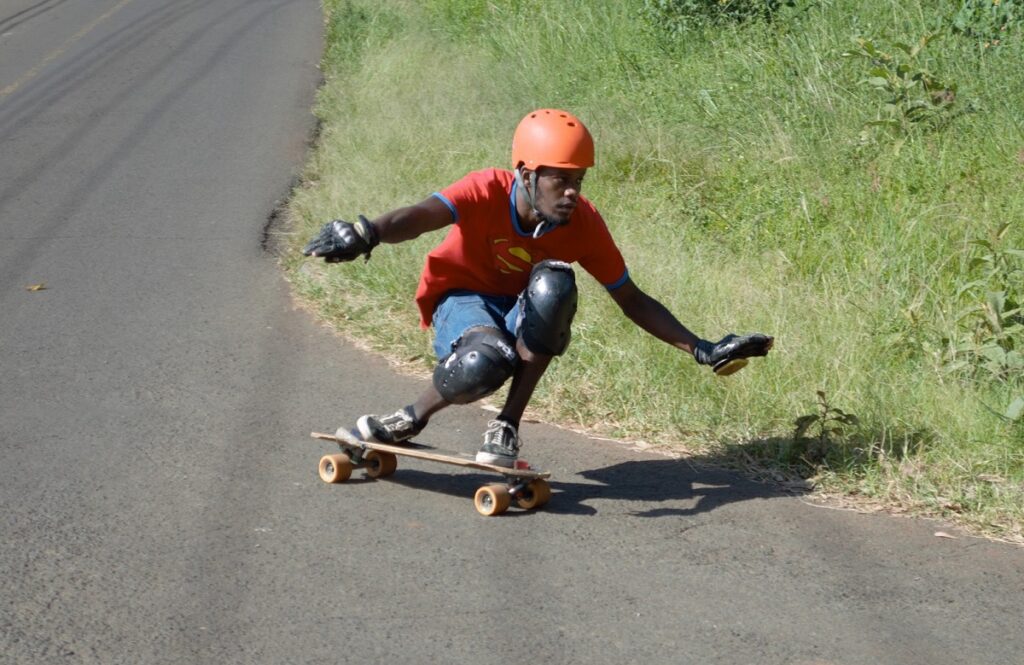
[(342, 241), (730, 354)]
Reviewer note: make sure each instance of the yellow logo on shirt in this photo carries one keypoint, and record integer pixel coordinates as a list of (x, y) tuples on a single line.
[(511, 258)]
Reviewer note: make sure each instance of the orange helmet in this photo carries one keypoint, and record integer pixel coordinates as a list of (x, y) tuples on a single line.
[(549, 137)]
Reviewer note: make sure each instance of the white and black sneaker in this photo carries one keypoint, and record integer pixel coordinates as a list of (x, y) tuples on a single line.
[(396, 428), (501, 445)]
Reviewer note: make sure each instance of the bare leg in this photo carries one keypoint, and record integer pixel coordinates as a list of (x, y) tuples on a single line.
[(528, 372), (429, 403)]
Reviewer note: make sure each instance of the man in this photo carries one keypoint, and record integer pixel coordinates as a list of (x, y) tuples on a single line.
[(499, 289)]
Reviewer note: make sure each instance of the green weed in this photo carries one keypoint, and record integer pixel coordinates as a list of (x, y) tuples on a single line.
[(827, 424), (990, 344), (914, 96), (988, 20), (676, 17)]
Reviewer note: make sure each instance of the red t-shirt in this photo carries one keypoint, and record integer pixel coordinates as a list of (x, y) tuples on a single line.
[(486, 250)]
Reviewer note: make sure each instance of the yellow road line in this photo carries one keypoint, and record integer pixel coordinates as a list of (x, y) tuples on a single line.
[(53, 55)]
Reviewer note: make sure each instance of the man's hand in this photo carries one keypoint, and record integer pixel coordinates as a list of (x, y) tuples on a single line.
[(341, 241), (730, 354)]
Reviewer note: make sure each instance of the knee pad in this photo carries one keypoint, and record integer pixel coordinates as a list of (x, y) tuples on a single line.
[(547, 308), (481, 362)]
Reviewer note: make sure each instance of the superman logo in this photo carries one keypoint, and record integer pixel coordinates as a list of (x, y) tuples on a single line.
[(510, 258)]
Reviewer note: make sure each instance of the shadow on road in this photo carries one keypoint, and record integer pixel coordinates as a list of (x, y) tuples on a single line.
[(641, 488)]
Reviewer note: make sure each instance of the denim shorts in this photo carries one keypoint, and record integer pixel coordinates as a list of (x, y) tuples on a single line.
[(458, 311)]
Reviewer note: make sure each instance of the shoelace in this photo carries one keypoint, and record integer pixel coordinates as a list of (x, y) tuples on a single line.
[(502, 434), (398, 422)]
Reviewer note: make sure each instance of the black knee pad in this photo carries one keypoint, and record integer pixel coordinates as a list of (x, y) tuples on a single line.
[(547, 308), (481, 362)]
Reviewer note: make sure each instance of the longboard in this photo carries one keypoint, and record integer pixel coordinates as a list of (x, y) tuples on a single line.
[(527, 486)]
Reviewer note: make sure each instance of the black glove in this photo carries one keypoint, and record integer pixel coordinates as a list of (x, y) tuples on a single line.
[(730, 353), (341, 241)]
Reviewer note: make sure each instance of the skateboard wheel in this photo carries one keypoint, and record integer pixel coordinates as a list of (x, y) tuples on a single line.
[(536, 493), (380, 465), (335, 468), (731, 367), (492, 500)]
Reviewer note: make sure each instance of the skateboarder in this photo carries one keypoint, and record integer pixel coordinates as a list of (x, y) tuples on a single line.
[(499, 290)]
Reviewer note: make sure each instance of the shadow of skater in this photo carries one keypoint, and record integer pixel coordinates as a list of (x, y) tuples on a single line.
[(654, 483), (650, 484)]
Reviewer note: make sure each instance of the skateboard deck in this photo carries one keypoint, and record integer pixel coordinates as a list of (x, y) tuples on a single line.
[(526, 486)]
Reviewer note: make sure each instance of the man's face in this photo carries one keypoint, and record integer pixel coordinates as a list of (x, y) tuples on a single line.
[(558, 191)]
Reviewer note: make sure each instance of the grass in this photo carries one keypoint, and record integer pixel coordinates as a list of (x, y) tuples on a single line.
[(739, 178)]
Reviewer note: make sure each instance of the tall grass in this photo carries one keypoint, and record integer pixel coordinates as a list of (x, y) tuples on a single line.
[(739, 178)]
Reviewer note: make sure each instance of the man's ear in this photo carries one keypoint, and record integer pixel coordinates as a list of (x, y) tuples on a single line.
[(522, 175), (527, 176)]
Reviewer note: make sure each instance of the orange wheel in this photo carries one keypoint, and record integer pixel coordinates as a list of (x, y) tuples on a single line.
[(536, 493), (380, 465), (492, 500), (335, 468), (732, 367)]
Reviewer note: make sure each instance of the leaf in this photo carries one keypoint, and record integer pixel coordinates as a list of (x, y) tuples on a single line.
[(943, 534), (969, 286), (957, 366), (1015, 409), (1016, 328), (803, 423), (997, 301), (994, 353), (36, 287), (850, 419)]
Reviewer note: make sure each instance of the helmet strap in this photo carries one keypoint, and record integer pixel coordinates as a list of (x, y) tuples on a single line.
[(546, 223), (531, 191)]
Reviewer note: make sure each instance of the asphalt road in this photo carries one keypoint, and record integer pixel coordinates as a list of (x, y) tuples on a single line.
[(160, 502)]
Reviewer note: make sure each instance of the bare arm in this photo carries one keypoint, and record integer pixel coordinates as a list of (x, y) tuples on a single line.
[(339, 240), (412, 221), (726, 356), (653, 317)]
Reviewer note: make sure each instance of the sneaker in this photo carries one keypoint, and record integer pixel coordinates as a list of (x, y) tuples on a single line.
[(501, 445), (396, 428)]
